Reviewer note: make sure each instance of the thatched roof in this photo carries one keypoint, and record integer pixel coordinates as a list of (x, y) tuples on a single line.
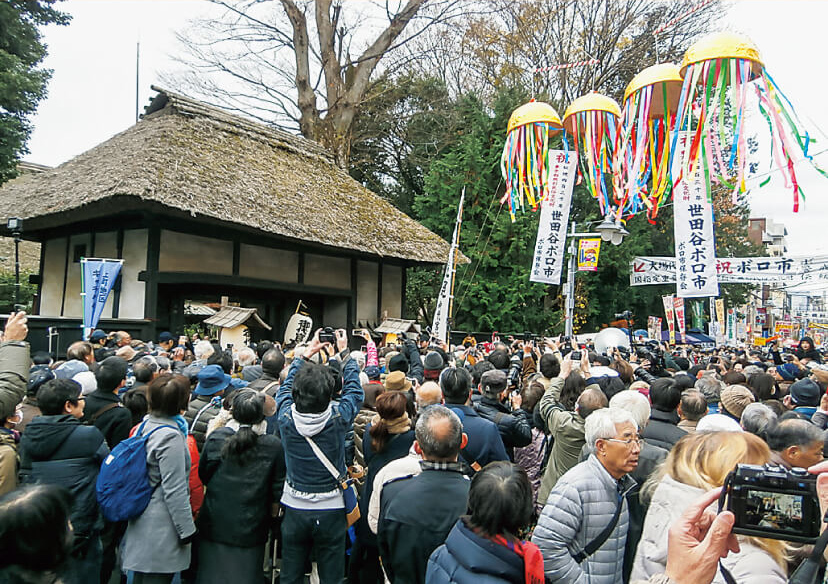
[(187, 156), (233, 316)]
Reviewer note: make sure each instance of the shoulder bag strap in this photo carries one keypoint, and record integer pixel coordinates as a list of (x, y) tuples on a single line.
[(103, 410), (596, 543), (324, 460), (191, 429), (268, 386)]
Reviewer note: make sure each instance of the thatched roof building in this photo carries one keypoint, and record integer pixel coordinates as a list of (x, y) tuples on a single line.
[(202, 203), (185, 156)]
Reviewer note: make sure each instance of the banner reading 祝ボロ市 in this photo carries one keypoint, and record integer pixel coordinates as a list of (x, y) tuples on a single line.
[(548, 262)]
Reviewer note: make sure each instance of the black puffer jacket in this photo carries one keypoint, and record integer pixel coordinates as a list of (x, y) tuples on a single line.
[(239, 498), (58, 450), (115, 423), (199, 413), (515, 427), (663, 430)]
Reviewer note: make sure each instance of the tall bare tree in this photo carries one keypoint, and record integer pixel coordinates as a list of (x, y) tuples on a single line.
[(290, 61), (519, 36)]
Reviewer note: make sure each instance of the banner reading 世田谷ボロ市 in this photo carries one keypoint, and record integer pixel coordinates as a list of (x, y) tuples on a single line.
[(97, 278), (554, 218), (693, 228), (669, 304), (588, 251)]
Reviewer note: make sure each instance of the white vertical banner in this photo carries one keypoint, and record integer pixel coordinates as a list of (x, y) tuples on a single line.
[(693, 227), (554, 219), (440, 324)]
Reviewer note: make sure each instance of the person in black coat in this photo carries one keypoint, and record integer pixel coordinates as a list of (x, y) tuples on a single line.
[(484, 442), (104, 409), (487, 546), (515, 426), (244, 473), (417, 513), (807, 350), (663, 430), (57, 450)]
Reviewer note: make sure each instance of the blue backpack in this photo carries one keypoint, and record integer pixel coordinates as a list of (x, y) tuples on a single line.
[(123, 489)]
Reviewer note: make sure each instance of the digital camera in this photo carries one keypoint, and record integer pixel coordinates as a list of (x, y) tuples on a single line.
[(326, 335), (771, 501)]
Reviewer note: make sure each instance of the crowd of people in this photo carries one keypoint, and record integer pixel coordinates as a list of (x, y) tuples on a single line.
[(520, 461)]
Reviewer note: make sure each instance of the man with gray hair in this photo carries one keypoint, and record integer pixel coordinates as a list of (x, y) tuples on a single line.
[(711, 389), (417, 513), (796, 443), (691, 409), (758, 419), (582, 530), (651, 456), (202, 351)]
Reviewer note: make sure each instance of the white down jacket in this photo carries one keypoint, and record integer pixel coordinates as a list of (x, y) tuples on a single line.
[(578, 509), (751, 565)]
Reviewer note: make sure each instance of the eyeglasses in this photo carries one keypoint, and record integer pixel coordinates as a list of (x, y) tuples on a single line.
[(628, 442)]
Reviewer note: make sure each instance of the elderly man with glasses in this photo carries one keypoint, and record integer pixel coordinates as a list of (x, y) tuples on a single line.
[(582, 530)]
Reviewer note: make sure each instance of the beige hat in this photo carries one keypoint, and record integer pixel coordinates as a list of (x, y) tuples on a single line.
[(396, 381), (735, 399)]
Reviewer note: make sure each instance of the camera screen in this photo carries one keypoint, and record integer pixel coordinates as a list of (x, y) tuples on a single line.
[(769, 510)]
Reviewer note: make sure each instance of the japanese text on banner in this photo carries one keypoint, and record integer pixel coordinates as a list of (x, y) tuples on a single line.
[(760, 270), (554, 219), (678, 304), (668, 313), (693, 227)]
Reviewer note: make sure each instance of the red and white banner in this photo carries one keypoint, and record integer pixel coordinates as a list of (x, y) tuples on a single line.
[(669, 304), (678, 304)]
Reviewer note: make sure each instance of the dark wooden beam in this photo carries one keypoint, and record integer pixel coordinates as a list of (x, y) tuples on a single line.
[(65, 277), (151, 279), (238, 282), (379, 291), (236, 256), (353, 301), (404, 269), (36, 309), (116, 287), (301, 277)]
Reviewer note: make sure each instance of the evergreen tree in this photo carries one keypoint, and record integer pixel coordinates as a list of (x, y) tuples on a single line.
[(22, 80)]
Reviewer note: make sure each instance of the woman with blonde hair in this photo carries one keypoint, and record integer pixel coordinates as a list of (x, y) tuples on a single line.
[(696, 464)]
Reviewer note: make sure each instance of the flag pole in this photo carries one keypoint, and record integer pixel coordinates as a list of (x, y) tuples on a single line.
[(456, 245)]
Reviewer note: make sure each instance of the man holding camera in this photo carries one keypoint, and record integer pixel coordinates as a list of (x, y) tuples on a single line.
[(514, 424), (312, 428)]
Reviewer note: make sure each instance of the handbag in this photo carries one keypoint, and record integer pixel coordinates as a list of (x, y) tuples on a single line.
[(348, 486)]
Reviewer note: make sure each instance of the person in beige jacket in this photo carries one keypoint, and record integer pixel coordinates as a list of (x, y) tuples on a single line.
[(565, 427), (697, 463)]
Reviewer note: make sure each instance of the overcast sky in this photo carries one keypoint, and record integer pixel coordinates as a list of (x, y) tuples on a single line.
[(92, 93)]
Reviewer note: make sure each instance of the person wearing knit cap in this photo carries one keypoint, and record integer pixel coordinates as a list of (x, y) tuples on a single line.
[(803, 397), (734, 400), (433, 364), (787, 372), (717, 423)]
